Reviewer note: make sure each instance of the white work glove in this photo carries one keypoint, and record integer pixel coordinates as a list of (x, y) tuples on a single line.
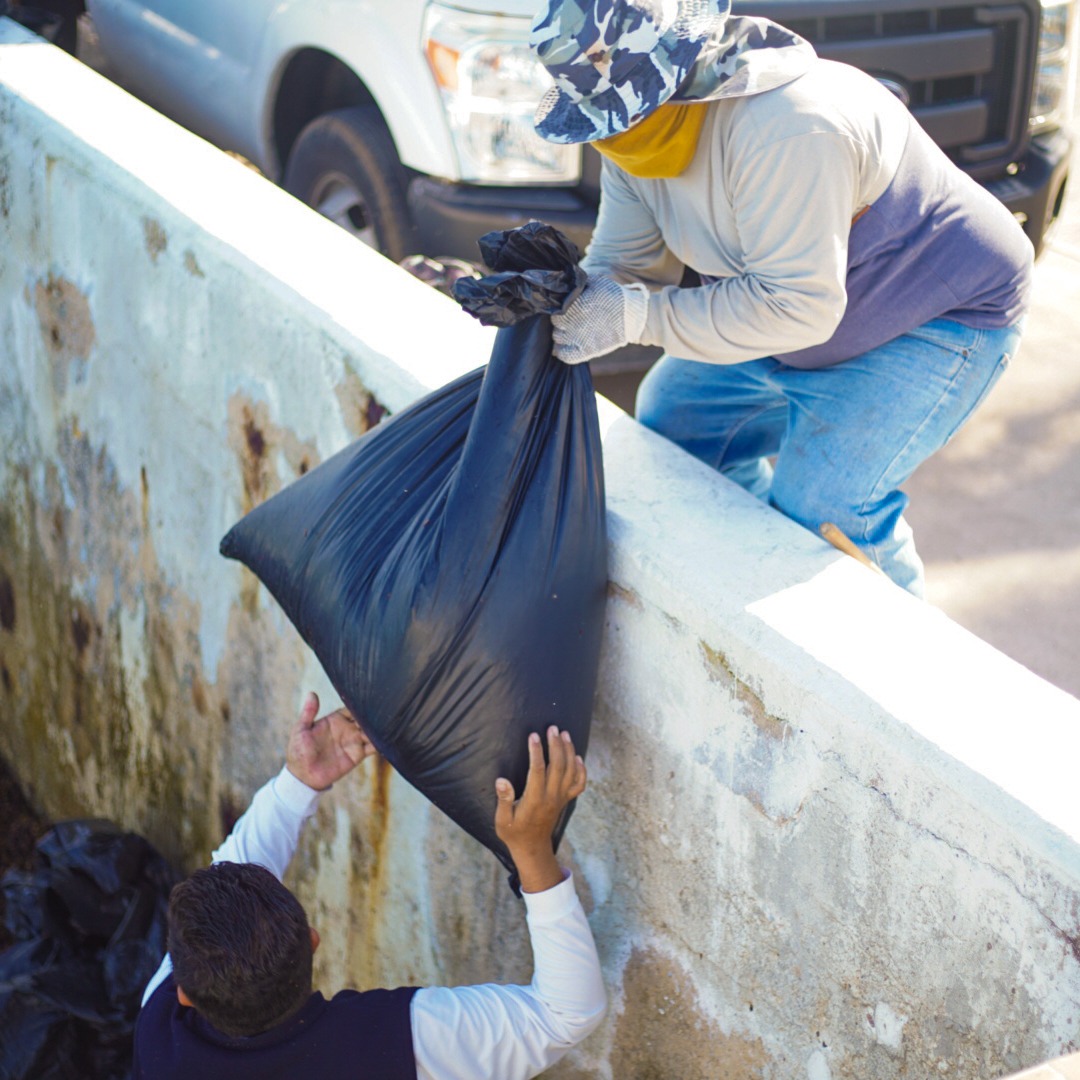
[(604, 317)]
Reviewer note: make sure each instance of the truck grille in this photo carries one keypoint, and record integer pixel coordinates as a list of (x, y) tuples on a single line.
[(964, 70)]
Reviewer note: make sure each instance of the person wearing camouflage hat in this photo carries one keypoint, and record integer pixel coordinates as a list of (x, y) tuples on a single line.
[(833, 296)]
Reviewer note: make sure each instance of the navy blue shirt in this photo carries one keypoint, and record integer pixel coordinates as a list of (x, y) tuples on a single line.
[(353, 1036), (935, 245)]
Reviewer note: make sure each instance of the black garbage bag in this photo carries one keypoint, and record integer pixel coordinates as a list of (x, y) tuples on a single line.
[(449, 567), (90, 930)]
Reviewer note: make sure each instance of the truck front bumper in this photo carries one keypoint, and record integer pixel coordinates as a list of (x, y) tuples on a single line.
[(1037, 189), (449, 218)]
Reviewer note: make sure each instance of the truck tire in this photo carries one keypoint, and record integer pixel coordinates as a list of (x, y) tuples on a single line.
[(344, 164)]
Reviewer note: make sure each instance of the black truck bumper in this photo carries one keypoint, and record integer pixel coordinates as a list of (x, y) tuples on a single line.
[(1036, 190), (449, 218)]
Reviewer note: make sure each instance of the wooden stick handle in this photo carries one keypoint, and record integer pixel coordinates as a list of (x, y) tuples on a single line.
[(842, 543)]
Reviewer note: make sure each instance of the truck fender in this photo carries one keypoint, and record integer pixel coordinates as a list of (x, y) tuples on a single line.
[(380, 44)]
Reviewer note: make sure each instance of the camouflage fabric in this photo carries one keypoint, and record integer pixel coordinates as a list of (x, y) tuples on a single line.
[(752, 55), (615, 61)]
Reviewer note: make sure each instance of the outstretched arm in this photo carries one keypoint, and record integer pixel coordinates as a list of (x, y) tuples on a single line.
[(318, 753), (516, 1032)]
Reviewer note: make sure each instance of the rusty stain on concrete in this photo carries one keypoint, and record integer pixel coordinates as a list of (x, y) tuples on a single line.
[(108, 711), (7, 601), (89, 735), (259, 443), (380, 798), (370, 862), (191, 264), (360, 412), (384, 930), (616, 591), (67, 329), (720, 671), (155, 238), (200, 694), (144, 500), (662, 1033)]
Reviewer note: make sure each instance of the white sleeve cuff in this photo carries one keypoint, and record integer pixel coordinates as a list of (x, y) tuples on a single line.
[(552, 904), (636, 311), (294, 794)]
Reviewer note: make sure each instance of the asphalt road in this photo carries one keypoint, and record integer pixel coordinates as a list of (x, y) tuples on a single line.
[(996, 513)]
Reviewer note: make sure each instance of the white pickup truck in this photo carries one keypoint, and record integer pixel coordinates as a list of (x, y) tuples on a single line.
[(409, 121), (406, 122)]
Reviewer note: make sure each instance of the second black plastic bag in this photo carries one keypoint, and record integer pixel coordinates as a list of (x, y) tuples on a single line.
[(89, 924), (449, 567)]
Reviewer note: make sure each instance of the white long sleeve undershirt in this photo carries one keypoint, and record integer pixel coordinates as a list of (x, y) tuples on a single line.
[(463, 1032)]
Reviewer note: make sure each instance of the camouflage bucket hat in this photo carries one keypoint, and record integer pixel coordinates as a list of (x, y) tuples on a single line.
[(615, 61)]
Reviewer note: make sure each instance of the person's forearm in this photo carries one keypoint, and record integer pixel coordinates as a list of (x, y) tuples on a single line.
[(268, 831), (742, 318), (516, 1032), (566, 975)]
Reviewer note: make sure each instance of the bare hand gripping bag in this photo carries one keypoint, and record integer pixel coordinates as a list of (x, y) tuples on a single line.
[(449, 567)]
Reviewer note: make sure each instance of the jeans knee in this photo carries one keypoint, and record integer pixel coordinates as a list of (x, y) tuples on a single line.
[(807, 504), (652, 405)]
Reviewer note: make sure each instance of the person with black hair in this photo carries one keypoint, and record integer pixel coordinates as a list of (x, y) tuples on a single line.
[(233, 997)]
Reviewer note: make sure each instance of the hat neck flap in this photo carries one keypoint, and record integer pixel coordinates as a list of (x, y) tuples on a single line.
[(751, 55)]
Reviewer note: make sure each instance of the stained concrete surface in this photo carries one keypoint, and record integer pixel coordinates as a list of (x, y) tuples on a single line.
[(996, 513), (790, 847)]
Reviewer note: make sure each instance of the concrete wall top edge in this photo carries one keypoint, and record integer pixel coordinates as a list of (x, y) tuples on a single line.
[(834, 632), (308, 261)]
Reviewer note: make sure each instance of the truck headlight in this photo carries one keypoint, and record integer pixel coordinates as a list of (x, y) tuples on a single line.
[(1055, 85), (491, 84)]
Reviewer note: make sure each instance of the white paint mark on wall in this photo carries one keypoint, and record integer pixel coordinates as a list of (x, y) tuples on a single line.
[(817, 1068), (888, 1026), (598, 874)]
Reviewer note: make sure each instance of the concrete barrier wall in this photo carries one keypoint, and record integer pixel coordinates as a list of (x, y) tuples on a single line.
[(828, 834)]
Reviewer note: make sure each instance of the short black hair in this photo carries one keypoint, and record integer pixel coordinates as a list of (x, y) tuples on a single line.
[(240, 947)]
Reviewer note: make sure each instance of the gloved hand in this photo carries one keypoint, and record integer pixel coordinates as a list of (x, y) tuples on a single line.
[(604, 317)]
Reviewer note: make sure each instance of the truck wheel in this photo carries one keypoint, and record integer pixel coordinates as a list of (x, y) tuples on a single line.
[(345, 165)]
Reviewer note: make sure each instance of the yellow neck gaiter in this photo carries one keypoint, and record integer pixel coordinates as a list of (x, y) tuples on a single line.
[(659, 147)]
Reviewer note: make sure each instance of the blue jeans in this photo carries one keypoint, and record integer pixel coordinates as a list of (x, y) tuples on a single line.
[(844, 437)]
